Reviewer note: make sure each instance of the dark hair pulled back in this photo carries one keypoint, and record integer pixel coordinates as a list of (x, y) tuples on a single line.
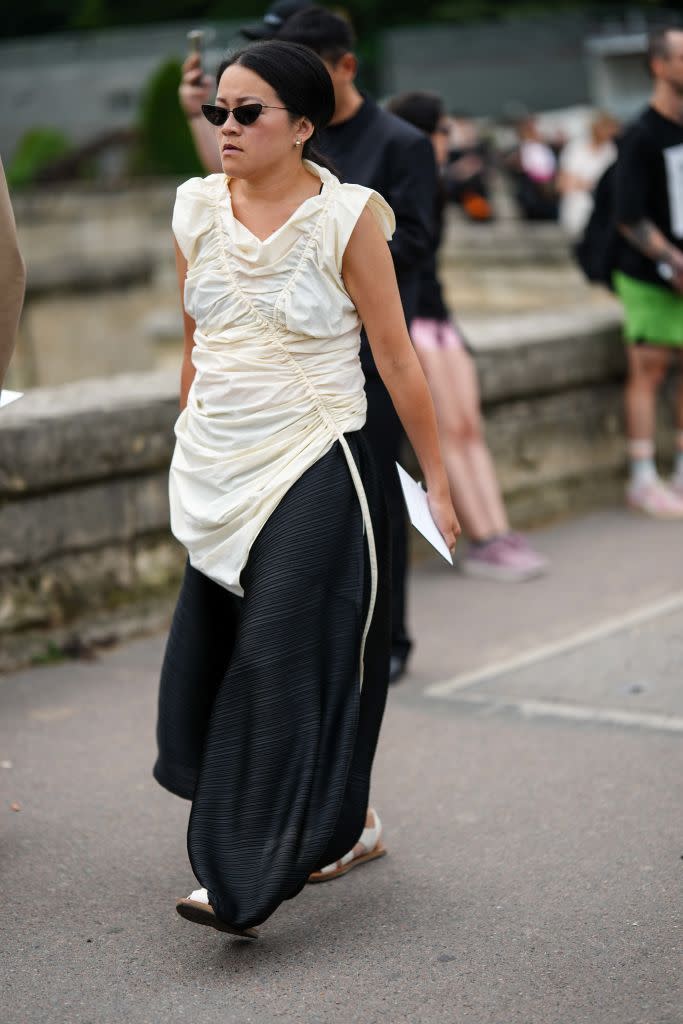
[(300, 80), (422, 109)]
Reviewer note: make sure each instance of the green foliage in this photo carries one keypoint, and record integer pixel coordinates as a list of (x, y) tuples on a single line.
[(106, 13), (36, 149), (41, 16), (50, 655), (165, 145)]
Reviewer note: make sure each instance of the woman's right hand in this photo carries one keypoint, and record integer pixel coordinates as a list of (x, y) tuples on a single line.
[(443, 514), (195, 87)]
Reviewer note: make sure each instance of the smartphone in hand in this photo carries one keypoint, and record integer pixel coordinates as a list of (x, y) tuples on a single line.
[(195, 39)]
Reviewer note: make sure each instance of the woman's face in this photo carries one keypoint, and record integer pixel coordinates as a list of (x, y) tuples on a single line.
[(251, 149)]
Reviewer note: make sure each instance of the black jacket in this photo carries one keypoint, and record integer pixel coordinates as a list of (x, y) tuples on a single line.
[(376, 149)]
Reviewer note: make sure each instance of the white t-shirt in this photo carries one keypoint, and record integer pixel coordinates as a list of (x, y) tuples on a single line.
[(582, 159)]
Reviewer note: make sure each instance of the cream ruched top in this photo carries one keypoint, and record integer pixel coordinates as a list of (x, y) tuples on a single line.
[(277, 373)]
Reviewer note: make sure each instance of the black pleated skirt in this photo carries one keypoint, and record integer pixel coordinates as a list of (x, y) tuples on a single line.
[(262, 722)]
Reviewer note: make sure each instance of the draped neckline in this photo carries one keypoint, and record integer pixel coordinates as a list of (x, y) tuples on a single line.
[(247, 240)]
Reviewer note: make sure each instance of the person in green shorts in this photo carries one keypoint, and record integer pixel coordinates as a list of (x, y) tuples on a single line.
[(649, 269)]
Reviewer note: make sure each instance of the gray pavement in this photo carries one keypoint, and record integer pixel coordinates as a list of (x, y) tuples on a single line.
[(529, 778)]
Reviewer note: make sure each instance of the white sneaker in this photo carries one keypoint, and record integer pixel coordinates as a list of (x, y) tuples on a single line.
[(655, 499)]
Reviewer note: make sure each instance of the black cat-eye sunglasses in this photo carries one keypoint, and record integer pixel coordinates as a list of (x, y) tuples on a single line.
[(246, 114)]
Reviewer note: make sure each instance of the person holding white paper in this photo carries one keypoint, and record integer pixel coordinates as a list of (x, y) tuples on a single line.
[(12, 279), (276, 669)]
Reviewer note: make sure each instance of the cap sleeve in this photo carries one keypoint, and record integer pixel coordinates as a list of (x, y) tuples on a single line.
[(352, 201), (192, 214)]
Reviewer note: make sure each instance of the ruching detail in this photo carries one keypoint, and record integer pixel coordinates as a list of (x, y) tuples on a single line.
[(277, 373), (273, 337)]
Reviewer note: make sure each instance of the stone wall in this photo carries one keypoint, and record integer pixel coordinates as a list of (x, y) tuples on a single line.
[(101, 280), (85, 552)]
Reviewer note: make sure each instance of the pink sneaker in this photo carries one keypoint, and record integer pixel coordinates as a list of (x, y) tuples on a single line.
[(655, 499), (501, 561), (518, 542)]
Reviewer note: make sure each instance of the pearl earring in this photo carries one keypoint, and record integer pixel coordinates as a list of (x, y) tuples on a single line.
[(298, 142)]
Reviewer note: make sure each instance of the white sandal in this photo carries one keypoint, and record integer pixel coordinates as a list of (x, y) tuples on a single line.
[(369, 847), (196, 908)]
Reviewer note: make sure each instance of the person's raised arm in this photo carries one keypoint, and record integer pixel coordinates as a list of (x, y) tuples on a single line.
[(196, 88), (370, 279), (187, 371)]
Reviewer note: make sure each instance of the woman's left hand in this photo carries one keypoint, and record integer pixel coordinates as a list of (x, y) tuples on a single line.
[(444, 516)]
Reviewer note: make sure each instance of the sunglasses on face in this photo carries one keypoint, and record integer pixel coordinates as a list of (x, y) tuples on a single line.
[(246, 114)]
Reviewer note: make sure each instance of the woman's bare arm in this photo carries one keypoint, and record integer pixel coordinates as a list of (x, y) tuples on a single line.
[(370, 280), (12, 278), (187, 372)]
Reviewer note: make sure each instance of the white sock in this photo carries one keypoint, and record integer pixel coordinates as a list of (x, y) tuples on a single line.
[(642, 461)]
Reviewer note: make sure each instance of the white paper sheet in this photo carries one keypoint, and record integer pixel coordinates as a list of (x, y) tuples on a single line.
[(7, 397), (673, 158), (420, 514)]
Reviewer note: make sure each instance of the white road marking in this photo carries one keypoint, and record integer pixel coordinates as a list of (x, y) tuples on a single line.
[(578, 712), (655, 610)]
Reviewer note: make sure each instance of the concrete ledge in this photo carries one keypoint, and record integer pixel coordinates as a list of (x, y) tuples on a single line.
[(84, 540), (79, 274), (530, 354), (87, 431)]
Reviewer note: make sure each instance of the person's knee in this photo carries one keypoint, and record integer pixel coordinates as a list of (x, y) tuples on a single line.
[(646, 380), (647, 368), (462, 429)]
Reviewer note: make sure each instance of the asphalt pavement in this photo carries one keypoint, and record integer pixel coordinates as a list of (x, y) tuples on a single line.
[(529, 779)]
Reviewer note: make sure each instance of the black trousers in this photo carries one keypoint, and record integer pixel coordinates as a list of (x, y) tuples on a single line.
[(262, 722), (384, 432)]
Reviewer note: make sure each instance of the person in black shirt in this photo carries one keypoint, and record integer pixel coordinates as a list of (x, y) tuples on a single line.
[(649, 268), (370, 147)]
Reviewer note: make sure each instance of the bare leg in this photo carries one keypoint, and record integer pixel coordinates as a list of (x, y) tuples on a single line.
[(646, 368), (452, 380), (646, 493), (464, 372), (677, 477)]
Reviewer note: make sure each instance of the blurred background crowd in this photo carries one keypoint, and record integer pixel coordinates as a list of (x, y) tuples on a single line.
[(89, 90), (531, 102)]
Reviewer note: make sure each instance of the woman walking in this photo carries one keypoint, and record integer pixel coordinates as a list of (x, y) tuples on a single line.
[(495, 552), (275, 674)]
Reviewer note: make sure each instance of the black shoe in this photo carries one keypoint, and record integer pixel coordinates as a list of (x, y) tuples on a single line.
[(397, 667)]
